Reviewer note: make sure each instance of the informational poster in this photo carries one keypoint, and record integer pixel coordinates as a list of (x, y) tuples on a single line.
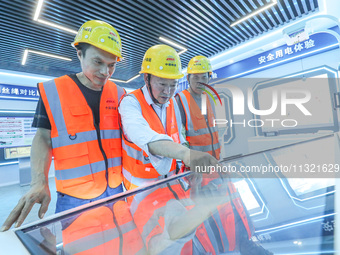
[(16, 131), (17, 152)]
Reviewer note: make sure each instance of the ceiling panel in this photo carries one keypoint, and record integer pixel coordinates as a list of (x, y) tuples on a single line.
[(203, 27)]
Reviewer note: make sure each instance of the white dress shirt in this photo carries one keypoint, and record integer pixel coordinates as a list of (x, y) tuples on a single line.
[(137, 130)]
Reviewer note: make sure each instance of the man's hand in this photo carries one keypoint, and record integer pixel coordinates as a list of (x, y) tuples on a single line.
[(198, 161), (39, 193), (41, 156)]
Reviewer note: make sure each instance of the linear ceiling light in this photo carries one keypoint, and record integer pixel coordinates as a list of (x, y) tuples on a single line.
[(131, 79), (117, 80), (57, 26), (127, 81), (182, 51), (36, 18), (23, 62), (274, 2), (174, 44), (24, 58), (38, 10)]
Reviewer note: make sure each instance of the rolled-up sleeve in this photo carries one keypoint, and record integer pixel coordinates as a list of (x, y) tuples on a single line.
[(137, 130)]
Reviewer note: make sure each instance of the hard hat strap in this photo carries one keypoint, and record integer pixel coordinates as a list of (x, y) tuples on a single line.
[(150, 90), (189, 80)]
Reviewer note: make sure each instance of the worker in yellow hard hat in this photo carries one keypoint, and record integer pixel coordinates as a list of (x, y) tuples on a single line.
[(200, 131), (151, 123), (202, 135), (77, 123)]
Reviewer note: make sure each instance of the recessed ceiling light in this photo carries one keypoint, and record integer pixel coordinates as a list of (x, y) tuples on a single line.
[(274, 2)]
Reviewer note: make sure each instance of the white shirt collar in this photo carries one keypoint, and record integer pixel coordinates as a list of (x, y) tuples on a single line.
[(148, 97)]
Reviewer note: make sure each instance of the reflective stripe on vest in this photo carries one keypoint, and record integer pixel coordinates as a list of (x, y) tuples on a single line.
[(137, 169), (81, 171), (200, 137), (79, 162)]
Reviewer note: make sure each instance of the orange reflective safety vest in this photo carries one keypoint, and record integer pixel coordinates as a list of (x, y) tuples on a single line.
[(137, 169), (200, 131), (87, 158), (103, 230)]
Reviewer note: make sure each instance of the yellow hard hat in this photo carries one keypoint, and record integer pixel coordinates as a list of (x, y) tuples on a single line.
[(101, 35), (199, 64), (162, 61)]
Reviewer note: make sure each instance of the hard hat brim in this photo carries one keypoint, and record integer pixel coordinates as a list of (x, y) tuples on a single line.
[(119, 56), (173, 77)]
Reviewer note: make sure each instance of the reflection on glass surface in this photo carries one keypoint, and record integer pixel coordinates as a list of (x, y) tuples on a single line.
[(247, 196), (319, 152), (315, 159), (196, 214), (303, 186)]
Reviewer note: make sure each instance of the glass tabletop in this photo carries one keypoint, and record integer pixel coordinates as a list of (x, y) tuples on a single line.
[(277, 201)]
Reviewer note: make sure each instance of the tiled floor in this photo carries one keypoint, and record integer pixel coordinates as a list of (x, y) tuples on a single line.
[(10, 195)]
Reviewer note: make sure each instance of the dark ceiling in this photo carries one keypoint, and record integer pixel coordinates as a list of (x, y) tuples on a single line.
[(203, 27)]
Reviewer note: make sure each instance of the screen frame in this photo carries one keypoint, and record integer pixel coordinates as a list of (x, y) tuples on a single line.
[(333, 88)]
